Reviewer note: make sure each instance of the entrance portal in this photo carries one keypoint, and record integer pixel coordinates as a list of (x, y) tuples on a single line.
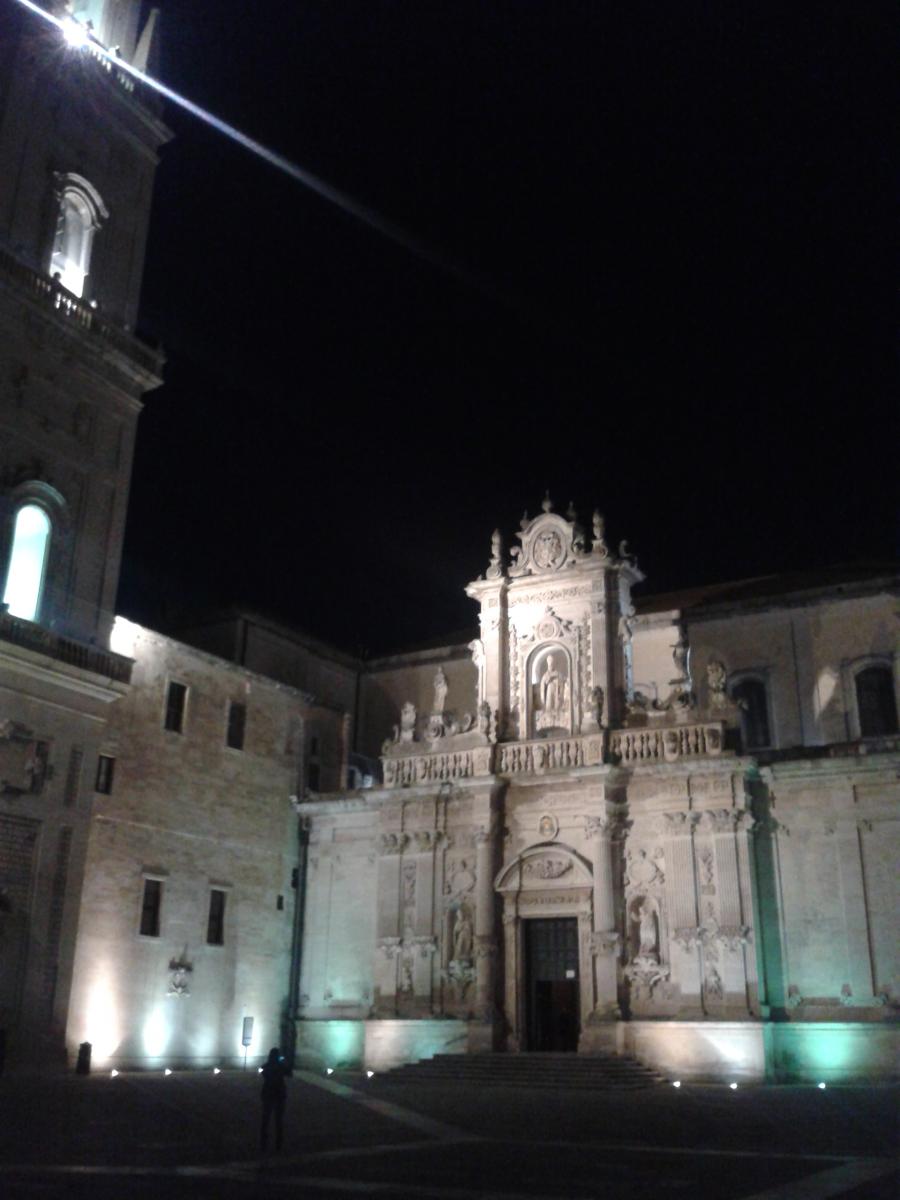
[(551, 967)]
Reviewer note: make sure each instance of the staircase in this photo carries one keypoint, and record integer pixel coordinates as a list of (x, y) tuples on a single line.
[(563, 1071)]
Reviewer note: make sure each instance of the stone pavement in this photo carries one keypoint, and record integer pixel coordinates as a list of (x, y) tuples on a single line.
[(193, 1134)]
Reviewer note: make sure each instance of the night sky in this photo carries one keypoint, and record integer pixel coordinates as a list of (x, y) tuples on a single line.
[(672, 228)]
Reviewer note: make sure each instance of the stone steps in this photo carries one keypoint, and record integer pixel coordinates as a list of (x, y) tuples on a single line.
[(563, 1071)]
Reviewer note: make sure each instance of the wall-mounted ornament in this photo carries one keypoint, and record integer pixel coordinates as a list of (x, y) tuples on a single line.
[(548, 827)]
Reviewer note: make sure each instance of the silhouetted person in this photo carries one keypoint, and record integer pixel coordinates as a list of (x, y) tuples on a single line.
[(274, 1094)]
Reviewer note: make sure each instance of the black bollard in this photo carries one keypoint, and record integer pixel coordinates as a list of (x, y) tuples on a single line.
[(83, 1065)]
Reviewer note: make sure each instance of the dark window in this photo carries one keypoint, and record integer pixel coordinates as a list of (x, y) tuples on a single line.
[(750, 694), (876, 702), (237, 719), (312, 776), (175, 701), (150, 908), (314, 745), (215, 926), (105, 767)]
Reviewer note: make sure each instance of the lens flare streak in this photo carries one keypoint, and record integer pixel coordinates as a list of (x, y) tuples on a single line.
[(341, 200)]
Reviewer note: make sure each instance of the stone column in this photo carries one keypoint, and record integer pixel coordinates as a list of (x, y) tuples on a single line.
[(423, 921), (605, 942), (598, 1028), (681, 901), (485, 941)]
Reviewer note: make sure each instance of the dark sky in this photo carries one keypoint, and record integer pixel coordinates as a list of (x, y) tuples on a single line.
[(678, 223)]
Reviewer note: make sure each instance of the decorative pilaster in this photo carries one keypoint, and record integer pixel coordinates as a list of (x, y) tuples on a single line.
[(388, 943), (681, 902), (485, 941), (605, 940)]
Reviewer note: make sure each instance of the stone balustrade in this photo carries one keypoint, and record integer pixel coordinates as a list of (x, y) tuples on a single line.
[(77, 314), (631, 747), (76, 654), (549, 754), (637, 746)]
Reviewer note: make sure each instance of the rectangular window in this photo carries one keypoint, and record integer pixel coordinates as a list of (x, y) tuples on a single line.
[(237, 719), (105, 767), (176, 697), (312, 776), (215, 926), (150, 907)]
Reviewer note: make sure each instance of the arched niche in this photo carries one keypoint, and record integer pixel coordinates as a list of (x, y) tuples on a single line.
[(551, 686)]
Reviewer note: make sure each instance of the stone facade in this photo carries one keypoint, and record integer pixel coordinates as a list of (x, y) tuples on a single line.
[(196, 815), (718, 909)]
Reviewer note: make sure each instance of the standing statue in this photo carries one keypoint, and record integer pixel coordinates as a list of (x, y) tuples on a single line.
[(408, 722), (716, 677), (647, 931), (597, 698), (551, 686), (440, 691), (462, 936)]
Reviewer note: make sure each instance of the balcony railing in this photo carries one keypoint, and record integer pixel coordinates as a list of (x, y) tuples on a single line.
[(49, 294), (75, 654)]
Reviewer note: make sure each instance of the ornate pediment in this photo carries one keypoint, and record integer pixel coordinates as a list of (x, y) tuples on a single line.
[(550, 543)]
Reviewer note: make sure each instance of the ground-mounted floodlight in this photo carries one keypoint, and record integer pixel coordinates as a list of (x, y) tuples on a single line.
[(369, 1074), (167, 1071), (329, 1070), (216, 1071), (676, 1083), (821, 1086), (113, 1073), (733, 1086)]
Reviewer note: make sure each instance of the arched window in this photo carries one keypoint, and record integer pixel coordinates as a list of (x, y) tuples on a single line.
[(750, 694), (78, 217), (876, 703), (27, 562)]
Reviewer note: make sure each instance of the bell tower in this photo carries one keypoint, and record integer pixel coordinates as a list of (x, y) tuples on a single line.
[(78, 150)]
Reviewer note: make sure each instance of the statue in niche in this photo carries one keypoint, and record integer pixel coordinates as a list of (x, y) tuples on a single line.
[(597, 699), (440, 691), (552, 694), (463, 936), (644, 915), (551, 685)]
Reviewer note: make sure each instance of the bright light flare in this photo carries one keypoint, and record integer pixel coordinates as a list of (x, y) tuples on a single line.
[(113, 1073), (361, 212), (329, 1070), (167, 1071), (369, 1074), (733, 1086), (75, 34), (216, 1071), (821, 1087), (676, 1083)]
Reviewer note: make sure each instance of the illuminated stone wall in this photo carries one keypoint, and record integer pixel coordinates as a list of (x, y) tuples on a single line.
[(196, 815)]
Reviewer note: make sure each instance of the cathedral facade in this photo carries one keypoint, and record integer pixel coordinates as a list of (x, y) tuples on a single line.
[(661, 828)]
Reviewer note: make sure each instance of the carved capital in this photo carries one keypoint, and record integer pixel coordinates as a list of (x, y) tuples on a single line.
[(426, 840), (392, 843), (679, 824), (389, 946), (598, 826), (605, 942)]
